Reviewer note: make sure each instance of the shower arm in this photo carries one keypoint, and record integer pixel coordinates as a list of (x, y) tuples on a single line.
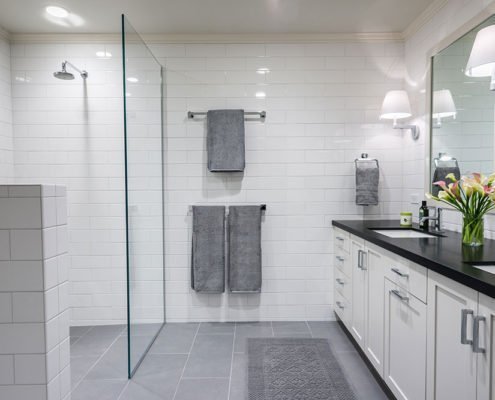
[(83, 73)]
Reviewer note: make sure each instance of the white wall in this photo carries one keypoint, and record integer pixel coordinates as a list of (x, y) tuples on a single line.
[(71, 134), (450, 18), (6, 144), (322, 102)]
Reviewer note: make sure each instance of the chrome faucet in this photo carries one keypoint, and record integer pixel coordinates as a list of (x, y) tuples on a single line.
[(437, 218)]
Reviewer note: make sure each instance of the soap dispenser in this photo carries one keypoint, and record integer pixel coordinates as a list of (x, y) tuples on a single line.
[(423, 212)]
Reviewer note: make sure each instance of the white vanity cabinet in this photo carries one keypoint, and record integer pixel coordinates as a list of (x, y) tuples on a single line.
[(359, 283), (342, 276), (485, 323)]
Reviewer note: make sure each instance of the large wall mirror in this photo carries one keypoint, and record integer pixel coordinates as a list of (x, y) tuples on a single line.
[(463, 105)]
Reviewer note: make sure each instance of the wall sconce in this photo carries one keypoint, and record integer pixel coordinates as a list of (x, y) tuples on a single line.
[(482, 59), (443, 106), (396, 106)]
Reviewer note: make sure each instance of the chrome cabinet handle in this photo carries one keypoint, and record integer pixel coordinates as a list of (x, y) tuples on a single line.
[(398, 272), (464, 315), (339, 258), (341, 239), (361, 254), (476, 334), (339, 304), (397, 293), (340, 281)]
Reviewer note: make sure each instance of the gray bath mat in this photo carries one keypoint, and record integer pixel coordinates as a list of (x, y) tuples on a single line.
[(295, 369)]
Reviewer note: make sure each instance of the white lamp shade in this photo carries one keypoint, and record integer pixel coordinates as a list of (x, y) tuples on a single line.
[(443, 104), (396, 105), (482, 59)]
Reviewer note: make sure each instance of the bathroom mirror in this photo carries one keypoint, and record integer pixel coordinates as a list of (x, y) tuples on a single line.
[(463, 105)]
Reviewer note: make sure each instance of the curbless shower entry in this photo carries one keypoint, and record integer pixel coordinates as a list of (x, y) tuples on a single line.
[(143, 128)]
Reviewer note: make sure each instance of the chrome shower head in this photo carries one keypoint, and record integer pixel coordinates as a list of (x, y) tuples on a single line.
[(67, 76)]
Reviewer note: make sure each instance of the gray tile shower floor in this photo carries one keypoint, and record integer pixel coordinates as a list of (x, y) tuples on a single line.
[(204, 361)]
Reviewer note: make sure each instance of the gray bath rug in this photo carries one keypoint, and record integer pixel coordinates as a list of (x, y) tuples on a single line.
[(295, 369)]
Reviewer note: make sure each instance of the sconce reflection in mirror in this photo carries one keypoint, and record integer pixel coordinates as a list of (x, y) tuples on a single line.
[(396, 106), (443, 106), (482, 59)]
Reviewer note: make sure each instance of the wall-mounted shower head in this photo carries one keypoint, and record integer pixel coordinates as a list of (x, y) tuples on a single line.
[(67, 76)]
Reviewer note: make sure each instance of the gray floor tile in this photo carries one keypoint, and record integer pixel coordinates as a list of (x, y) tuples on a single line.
[(113, 364), (290, 327), (203, 389), (175, 338), (106, 331), (211, 357), (101, 390), (80, 366), (160, 374), (211, 328), (238, 384), (339, 342), (79, 330), (247, 330), (135, 391), (91, 345)]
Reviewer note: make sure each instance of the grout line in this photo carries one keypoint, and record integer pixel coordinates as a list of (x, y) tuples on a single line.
[(80, 337), (94, 364), (310, 330), (187, 360), (273, 330), (232, 361)]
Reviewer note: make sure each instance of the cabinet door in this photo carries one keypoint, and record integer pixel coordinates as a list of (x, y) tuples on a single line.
[(405, 343), (374, 308), (451, 362), (484, 348), (358, 290)]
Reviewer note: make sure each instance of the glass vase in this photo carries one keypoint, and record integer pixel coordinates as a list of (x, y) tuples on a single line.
[(472, 231)]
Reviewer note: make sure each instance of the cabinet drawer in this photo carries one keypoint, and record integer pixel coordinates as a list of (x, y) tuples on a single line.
[(343, 284), (342, 308), (341, 239), (410, 277), (343, 262)]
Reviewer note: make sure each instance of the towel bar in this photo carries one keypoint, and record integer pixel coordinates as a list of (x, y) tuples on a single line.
[(262, 206), (261, 114)]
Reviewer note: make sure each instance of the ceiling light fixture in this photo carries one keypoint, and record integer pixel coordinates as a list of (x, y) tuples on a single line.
[(396, 106), (57, 12)]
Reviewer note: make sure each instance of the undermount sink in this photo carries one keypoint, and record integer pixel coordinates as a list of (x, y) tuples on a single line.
[(487, 268), (403, 233)]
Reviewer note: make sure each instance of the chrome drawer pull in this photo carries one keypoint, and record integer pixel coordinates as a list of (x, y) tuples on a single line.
[(464, 314), (339, 258), (341, 239), (476, 334), (397, 293), (398, 272), (340, 281), (339, 304), (361, 255)]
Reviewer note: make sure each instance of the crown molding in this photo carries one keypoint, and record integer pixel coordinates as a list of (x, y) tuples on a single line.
[(423, 18), (207, 38)]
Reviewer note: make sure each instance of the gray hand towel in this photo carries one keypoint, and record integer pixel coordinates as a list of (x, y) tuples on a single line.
[(208, 249), (225, 140), (439, 175), (244, 249), (367, 179)]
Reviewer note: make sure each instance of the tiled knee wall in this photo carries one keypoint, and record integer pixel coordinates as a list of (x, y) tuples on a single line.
[(34, 315)]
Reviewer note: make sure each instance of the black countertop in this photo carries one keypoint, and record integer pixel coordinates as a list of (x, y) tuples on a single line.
[(445, 255)]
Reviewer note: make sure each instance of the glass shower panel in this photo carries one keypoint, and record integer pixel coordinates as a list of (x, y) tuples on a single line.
[(143, 127)]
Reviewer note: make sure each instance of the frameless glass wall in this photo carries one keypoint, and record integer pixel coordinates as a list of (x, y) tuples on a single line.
[(142, 83)]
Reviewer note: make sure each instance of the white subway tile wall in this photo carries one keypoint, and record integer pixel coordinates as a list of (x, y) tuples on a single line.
[(6, 131), (34, 357)]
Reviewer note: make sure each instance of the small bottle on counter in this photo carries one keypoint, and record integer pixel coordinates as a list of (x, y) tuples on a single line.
[(406, 219), (423, 212)]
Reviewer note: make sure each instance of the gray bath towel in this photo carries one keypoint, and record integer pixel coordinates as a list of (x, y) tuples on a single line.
[(439, 175), (225, 140), (208, 249), (367, 178), (244, 248)]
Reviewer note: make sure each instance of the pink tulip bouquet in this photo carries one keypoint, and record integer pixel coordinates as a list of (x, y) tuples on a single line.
[(473, 196)]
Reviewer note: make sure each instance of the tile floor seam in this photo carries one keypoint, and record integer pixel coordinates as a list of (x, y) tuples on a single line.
[(310, 330), (232, 361), (80, 337), (187, 360), (94, 364)]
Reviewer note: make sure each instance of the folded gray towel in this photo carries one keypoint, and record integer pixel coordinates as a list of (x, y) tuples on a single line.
[(244, 248), (439, 175), (208, 249), (225, 140), (367, 178)]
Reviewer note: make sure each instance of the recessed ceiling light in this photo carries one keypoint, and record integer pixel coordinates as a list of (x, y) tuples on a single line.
[(58, 12), (263, 71), (260, 95), (103, 54), (133, 79)]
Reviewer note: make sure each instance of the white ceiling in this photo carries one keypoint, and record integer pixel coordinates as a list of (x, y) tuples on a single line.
[(215, 16)]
